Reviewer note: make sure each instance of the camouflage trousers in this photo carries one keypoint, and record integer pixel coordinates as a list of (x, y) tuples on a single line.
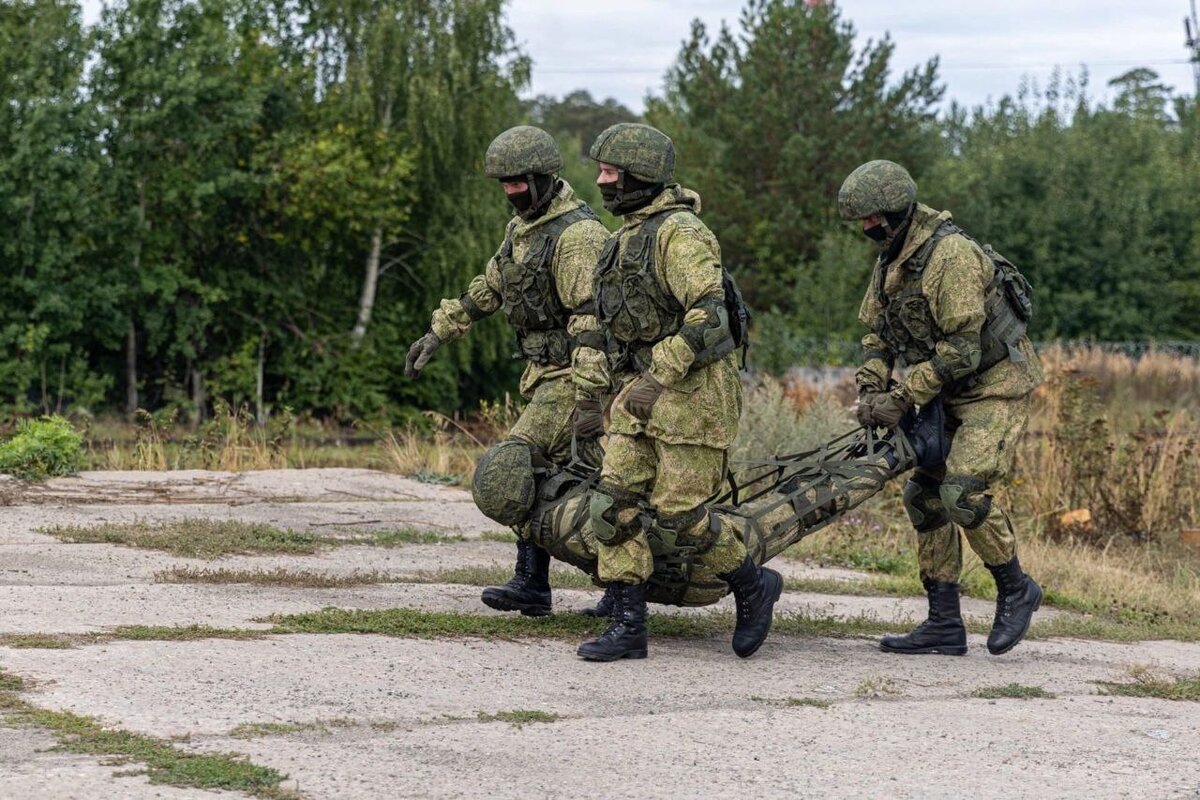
[(674, 479), (546, 423), (957, 496)]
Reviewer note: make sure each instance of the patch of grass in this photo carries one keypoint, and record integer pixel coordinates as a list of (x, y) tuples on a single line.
[(499, 536), (871, 688), (815, 702), (1066, 626), (1148, 684), (876, 586), (135, 633), (793, 702), (495, 576), (518, 718), (274, 577), (10, 682), (197, 538), (37, 641), (179, 633), (413, 623), (42, 448), (1014, 691), (165, 763), (399, 537)]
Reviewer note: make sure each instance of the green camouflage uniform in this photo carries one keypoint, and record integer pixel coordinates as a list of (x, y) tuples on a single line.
[(988, 412), (548, 388), (677, 458)]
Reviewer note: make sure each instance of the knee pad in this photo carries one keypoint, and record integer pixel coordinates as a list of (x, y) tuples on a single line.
[(965, 500), (919, 492), (698, 528), (505, 482), (616, 514)]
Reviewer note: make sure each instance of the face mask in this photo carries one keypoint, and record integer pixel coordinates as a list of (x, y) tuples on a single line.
[(541, 187), (876, 234), (609, 192), (521, 201)]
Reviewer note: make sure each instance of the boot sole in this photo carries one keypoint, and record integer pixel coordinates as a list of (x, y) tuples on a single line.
[(501, 603), (1036, 605), (616, 657), (778, 593), (948, 650)]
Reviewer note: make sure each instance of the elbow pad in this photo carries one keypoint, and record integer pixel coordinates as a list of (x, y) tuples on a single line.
[(711, 339)]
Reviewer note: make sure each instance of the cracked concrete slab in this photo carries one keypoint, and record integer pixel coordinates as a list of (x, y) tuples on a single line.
[(399, 717)]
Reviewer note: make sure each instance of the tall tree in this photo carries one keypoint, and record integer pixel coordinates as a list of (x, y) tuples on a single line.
[(769, 121), (58, 304)]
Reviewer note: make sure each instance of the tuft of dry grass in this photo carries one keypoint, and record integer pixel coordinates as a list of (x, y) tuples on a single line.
[(198, 538), (279, 576), (1148, 683), (1156, 378)]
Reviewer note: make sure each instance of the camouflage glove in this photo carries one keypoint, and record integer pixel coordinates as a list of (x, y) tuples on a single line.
[(882, 408), (419, 354), (642, 396), (589, 419)]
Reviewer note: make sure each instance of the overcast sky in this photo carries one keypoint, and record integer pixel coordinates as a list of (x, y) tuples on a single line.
[(622, 48)]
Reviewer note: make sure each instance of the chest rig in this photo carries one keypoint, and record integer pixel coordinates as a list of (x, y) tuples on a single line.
[(910, 330), (631, 305), (529, 295)]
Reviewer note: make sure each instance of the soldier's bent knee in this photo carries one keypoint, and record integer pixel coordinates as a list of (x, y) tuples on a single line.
[(688, 529), (616, 514), (919, 493), (966, 500)]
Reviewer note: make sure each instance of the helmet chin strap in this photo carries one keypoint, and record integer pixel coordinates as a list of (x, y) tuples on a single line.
[(537, 202), (636, 196)]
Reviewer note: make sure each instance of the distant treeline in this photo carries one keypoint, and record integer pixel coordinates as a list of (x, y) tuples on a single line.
[(262, 200)]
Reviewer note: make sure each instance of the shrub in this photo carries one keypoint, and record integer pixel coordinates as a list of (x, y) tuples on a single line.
[(42, 448)]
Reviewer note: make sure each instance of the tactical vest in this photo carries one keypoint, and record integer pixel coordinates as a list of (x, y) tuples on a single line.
[(907, 323), (634, 310), (529, 296)]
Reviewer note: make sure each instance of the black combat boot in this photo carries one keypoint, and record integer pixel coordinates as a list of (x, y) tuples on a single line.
[(604, 608), (942, 633), (529, 589), (1017, 597), (625, 636), (755, 590)]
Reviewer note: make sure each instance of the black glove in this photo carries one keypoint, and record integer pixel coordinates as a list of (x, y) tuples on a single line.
[(642, 396), (589, 419), (419, 354)]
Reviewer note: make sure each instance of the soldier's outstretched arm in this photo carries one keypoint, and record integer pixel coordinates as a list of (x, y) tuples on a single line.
[(454, 317)]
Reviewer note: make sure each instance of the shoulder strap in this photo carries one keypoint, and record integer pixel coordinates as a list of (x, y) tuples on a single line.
[(920, 260)]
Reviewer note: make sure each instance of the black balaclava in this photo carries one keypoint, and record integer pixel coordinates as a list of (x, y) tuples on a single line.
[(533, 202), (627, 193), (891, 234)]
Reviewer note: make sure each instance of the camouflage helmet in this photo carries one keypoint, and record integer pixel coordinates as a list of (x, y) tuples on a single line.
[(523, 150), (877, 187), (505, 482), (644, 152)]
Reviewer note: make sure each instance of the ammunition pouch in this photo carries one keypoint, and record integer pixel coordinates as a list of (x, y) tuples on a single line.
[(545, 348)]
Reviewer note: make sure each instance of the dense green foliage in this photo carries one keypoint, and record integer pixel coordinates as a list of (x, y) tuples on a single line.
[(42, 448), (260, 201)]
